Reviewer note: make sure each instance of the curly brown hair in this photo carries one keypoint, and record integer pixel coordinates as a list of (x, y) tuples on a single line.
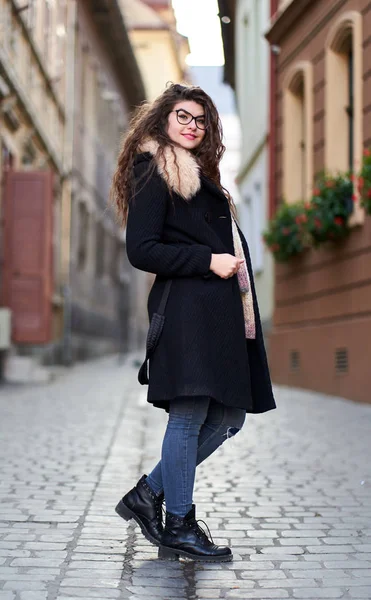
[(150, 121)]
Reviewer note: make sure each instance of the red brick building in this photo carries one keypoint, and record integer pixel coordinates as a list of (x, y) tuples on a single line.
[(321, 102)]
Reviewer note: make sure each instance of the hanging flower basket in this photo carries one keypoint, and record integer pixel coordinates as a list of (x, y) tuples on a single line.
[(364, 181), (329, 209), (287, 234)]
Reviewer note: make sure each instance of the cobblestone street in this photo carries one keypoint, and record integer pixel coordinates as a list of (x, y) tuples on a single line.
[(291, 494)]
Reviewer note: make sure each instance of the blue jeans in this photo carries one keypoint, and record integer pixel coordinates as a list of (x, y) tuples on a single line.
[(197, 426)]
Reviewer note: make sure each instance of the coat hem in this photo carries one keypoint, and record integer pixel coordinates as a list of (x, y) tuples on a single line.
[(164, 403)]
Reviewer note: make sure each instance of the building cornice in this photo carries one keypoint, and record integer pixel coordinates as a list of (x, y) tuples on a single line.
[(110, 24), (152, 27), (227, 8), (284, 19)]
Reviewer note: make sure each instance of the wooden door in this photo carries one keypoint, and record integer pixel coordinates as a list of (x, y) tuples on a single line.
[(27, 258)]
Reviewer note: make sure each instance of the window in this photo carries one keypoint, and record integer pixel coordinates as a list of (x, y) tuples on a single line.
[(7, 158), (116, 259), (350, 108), (60, 45), (298, 133), (84, 84), (251, 213), (83, 234), (344, 94), (28, 154), (13, 37), (344, 97), (100, 250), (47, 33)]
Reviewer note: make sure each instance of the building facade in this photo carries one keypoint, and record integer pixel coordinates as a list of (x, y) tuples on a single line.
[(68, 83), (322, 106), (244, 23), (252, 91), (105, 299), (32, 126), (160, 50)]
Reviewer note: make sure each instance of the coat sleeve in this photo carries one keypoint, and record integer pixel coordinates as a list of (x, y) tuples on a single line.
[(146, 218)]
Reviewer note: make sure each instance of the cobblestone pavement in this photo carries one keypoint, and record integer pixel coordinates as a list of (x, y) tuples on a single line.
[(291, 493)]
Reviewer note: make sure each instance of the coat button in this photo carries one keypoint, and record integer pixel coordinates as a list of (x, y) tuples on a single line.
[(207, 216)]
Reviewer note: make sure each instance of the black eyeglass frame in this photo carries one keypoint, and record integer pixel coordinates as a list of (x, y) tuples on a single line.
[(191, 119)]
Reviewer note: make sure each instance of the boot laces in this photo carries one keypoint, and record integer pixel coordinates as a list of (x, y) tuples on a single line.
[(200, 531)]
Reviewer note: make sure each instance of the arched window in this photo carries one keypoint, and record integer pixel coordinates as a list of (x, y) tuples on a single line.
[(343, 100), (343, 150), (298, 133), (350, 106)]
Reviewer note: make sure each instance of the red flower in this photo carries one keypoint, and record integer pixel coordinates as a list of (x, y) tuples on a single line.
[(307, 206), (301, 219), (286, 230), (354, 197), (369, 193), (352, 177), (366, 152), (330, 183), (317, 223), (316, 192), (361, 183), (338, 220)]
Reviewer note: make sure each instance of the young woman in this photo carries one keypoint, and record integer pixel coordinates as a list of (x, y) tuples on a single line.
[(210, 366)]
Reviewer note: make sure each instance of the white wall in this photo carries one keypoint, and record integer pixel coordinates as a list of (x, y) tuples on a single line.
[(230, 163), (252, 88), (253, 219), (252, 73)]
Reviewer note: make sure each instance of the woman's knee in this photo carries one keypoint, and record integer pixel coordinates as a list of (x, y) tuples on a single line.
[(235, 421)]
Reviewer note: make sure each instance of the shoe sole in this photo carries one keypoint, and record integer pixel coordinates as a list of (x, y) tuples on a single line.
[(127, 514), (166, 553)]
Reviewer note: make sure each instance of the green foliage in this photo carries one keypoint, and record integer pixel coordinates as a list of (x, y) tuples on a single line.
[(329, 209), (364, 181), (286, 235), (324, 218)]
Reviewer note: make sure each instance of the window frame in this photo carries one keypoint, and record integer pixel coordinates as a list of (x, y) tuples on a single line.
[(347, 26), (300, 74)]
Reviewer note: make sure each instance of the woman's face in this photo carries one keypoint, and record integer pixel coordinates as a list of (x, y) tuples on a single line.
[(185, 133)]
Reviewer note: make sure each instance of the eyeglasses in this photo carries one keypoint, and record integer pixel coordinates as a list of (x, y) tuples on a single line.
[(185, 118)]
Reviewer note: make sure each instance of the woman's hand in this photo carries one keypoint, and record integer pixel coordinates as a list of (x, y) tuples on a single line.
[(225, 265)]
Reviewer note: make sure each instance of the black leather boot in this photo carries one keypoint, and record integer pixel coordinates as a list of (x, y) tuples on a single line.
[(184, 537), (145, 507)]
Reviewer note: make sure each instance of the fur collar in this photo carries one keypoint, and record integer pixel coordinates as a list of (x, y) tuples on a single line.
[(178, 167)]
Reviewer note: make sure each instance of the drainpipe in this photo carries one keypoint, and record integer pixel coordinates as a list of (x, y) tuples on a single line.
[(272, 121), (67, 184)]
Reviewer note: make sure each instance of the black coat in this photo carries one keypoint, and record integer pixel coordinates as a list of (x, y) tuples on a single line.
[(202, 350)]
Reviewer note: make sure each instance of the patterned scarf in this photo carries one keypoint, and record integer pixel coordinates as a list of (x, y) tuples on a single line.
[(244, 283)]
